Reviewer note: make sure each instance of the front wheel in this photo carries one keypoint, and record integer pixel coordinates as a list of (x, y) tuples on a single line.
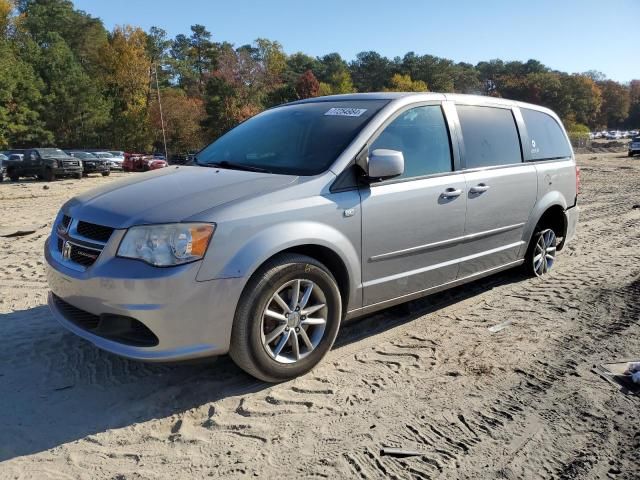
[(106, 174), (49, 176), (287, 318), (541, 255)]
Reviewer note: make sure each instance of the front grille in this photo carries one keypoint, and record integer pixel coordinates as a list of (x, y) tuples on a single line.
[(83, 256), (66, 221), (118, 328), (94, 231), (84, 320), (71, 163)]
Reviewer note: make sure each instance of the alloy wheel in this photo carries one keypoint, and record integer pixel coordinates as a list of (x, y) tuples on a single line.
[(544, 254), (294, 321)]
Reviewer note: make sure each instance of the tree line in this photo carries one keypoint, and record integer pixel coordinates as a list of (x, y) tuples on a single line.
[(66, 80)]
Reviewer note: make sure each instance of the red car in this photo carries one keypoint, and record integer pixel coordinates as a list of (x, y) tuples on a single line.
[(140, 162)]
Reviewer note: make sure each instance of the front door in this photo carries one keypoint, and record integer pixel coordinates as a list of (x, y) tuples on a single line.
[(412, 224)]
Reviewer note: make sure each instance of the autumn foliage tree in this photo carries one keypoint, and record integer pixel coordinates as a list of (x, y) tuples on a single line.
[(307, 85), (67, 81)]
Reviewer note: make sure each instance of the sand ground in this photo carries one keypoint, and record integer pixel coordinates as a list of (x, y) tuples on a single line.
[(520, 403)]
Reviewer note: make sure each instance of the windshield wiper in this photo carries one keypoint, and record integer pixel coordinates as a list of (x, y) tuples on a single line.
[(234, 166)]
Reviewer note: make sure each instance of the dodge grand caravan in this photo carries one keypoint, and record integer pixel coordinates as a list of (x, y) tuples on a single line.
[(307, 215)]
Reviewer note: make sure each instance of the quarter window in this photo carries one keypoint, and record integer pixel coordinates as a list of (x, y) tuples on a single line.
[(422, 136), (546, 139), (490, 136)]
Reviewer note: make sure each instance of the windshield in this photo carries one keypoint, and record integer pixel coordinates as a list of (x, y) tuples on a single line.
[(82, 155), (116, 154), (51, 152), (302, 139), (103, 155)]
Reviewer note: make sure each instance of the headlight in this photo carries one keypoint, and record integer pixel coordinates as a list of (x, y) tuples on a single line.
[(167, 245)]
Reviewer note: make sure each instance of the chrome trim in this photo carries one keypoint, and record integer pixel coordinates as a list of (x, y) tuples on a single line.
[(417, 271), (358, 312), (443, 243)]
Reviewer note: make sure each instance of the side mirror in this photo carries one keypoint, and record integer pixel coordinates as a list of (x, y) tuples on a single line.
[(385, 164)]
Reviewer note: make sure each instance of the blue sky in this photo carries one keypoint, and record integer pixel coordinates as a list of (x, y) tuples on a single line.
[(568, 35)]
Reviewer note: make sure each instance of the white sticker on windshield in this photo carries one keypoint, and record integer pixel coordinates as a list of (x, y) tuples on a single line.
[(346, 112)]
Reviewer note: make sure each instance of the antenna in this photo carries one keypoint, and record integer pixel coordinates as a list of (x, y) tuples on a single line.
[(164, 136)]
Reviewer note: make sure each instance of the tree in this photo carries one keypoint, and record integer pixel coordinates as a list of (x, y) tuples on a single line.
[(74, 109), (633, 121), (307, 85), (126, 66), (370, 71), (182, 116), (403, 83), (615, 103)]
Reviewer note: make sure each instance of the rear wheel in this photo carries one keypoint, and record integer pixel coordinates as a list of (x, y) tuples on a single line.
[(49, 176), (106, 174), (541, 255), (287, 318)]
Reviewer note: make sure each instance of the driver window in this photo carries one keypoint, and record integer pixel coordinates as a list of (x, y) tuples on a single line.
[(421, 135)]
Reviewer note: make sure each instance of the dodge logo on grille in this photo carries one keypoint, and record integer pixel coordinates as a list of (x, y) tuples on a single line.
[(66, 250)]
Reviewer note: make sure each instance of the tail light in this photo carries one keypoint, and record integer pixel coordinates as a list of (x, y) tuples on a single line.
[(577, 180)]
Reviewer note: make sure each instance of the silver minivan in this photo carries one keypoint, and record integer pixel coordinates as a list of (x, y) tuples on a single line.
[(307, 215)]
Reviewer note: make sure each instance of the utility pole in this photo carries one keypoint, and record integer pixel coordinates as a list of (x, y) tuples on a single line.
[(164, 136)]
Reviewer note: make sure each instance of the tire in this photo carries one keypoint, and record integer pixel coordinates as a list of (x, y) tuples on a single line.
[(79, 176), (277, 360), (544, 241), (49, 176), (13, 176), (630, 154), (106, 174)]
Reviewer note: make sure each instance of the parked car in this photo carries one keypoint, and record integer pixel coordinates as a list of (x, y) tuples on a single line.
[(114, 162), (307, 215), (634, 146), (3, 167), (140, 162), (45, 164), (118, 159), (92, 163), (613, 135)]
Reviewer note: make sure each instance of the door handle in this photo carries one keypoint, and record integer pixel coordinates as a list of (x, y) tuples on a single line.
[(451, 193), (479, 188)]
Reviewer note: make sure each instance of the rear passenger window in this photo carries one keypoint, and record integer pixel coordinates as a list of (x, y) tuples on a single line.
[(490, 136), (546, 136), (422, 136)]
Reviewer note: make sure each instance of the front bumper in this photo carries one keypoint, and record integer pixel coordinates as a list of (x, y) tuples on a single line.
[(190, 319), (67, 171), (96, 168)]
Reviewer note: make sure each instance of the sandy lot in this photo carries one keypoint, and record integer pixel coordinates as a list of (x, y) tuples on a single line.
[(520, 403)]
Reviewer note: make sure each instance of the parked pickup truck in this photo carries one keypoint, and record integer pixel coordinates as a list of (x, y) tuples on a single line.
[(45, 164)]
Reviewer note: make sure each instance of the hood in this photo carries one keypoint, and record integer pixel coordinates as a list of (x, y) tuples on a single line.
[(169, 195)]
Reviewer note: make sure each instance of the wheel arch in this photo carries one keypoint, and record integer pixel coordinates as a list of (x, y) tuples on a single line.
[(321, 242), (550, 213)]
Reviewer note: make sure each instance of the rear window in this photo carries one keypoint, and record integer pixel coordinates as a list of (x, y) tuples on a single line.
[(547, 140), (490, 136)]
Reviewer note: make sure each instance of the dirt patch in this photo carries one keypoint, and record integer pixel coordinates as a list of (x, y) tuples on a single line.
[(518, 402)]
